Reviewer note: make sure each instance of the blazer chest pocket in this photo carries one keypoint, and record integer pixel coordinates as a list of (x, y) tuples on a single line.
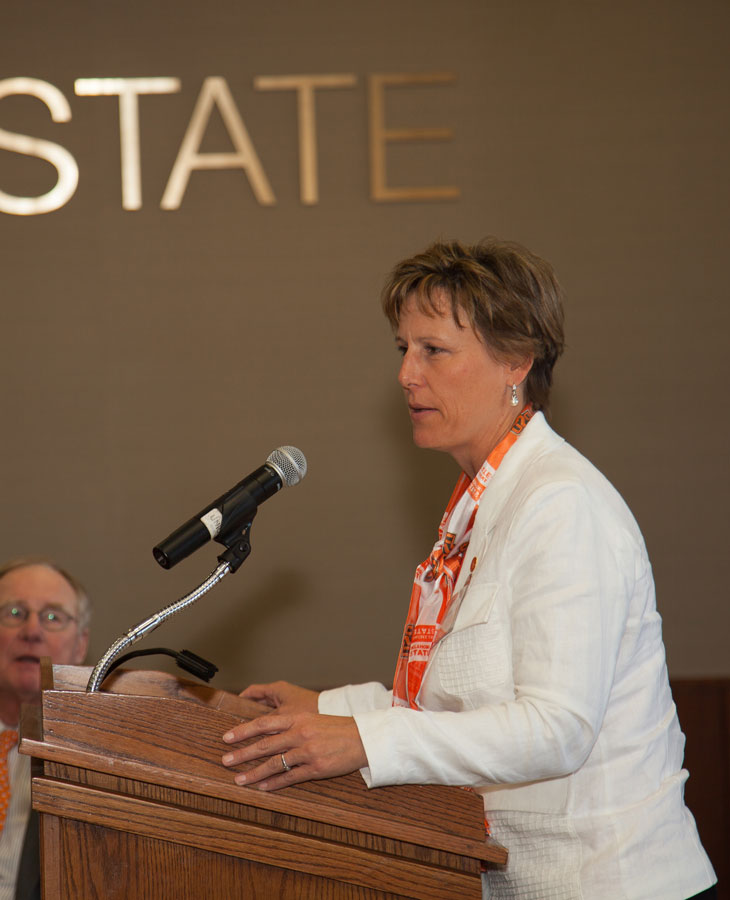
[(470, 664)]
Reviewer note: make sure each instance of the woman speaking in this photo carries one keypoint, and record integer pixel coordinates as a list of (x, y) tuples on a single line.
[(532, 667)]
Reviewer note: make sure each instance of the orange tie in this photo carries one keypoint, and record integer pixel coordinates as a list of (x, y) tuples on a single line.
[(8, 739)]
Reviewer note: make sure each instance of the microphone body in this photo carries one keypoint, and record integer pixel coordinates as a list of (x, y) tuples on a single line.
[(222, 519)]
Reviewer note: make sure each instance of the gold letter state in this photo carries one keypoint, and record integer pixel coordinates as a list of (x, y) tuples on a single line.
[(380, 135), (216, 91)]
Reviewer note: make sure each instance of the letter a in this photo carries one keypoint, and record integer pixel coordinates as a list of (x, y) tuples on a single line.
[(216, 91)]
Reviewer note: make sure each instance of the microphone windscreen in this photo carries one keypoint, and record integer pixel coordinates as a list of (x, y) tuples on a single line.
[(290, 463)]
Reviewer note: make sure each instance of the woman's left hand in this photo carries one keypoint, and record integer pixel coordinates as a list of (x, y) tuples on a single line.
[(312, 746)]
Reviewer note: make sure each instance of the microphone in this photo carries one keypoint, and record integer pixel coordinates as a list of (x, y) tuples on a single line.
[(235, 509)]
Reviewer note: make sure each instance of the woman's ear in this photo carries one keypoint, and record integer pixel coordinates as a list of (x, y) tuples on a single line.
[(520, 369)]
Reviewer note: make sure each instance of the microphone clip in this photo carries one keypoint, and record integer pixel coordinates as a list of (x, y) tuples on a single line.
[(238, 545)]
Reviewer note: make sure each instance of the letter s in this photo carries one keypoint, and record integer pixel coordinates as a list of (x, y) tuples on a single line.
[(65, 164)]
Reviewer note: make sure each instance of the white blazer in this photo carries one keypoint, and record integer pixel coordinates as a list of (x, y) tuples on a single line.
[(549, 693)]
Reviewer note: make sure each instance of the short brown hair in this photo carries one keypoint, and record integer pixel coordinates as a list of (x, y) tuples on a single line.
[(509, 296)]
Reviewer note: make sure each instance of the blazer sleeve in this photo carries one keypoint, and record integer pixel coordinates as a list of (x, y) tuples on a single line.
[(353, 698)]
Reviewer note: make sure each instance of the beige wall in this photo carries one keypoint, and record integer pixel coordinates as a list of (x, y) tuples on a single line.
[(153, 357)]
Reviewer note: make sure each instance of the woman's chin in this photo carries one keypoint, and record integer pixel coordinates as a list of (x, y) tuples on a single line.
[(426, 440), (424, 437), (423, 443)]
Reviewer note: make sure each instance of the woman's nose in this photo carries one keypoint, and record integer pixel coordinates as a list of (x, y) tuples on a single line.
[(408, 374)]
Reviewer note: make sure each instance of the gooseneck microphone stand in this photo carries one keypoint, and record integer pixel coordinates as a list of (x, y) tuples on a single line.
[(228, 520), (238, 549)]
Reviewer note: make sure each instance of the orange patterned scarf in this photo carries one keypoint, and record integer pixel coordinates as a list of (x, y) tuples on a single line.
[(435, 578)]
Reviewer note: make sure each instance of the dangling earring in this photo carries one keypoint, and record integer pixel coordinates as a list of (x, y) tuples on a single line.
[(514, 399)]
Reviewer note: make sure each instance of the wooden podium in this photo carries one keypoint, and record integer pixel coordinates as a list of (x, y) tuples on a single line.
[(135, 804)]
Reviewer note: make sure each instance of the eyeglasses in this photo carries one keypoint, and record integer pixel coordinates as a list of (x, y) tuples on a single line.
[(50, 618)]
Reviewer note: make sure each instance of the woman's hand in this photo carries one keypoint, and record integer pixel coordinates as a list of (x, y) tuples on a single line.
[(283, 697), (295, 747)]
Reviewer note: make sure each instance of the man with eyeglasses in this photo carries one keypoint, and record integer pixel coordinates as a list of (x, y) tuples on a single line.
[(44, 611)]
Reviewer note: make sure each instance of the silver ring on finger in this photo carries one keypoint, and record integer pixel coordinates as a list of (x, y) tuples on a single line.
[(284, 763)]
